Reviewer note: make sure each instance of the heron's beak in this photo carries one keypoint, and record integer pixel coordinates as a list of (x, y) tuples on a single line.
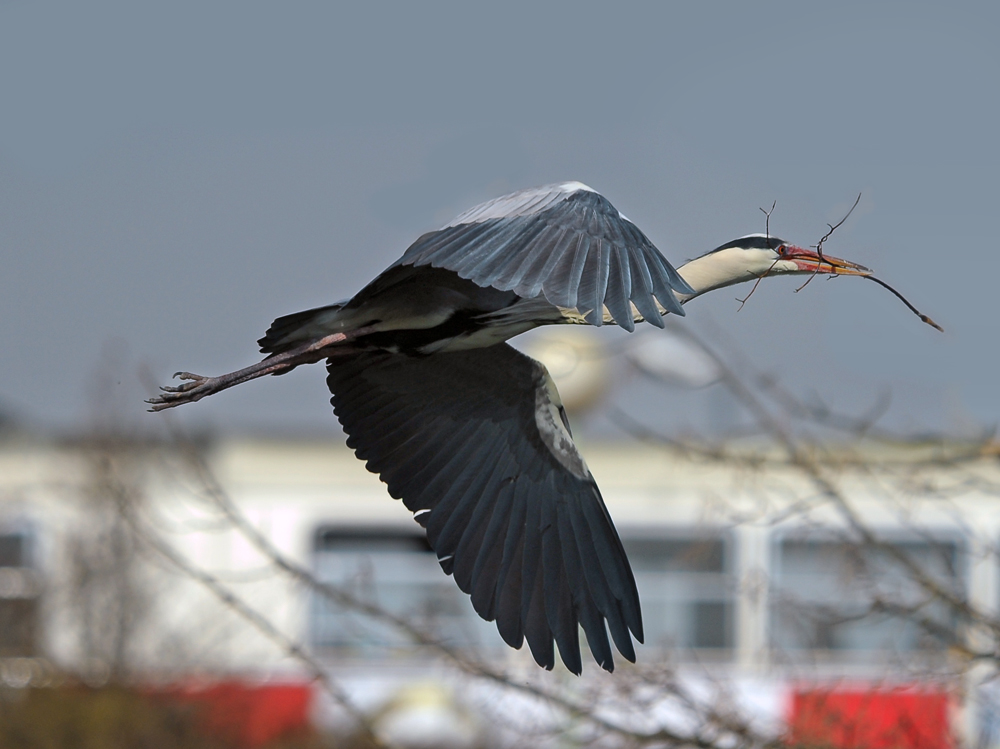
[(810, 261)]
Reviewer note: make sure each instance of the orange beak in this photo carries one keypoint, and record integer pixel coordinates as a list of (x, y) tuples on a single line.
[(810, 261)]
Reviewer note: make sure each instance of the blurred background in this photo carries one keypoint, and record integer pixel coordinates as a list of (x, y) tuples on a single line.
[(175, 176)]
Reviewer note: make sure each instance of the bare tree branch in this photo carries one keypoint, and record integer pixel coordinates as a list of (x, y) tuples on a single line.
[(802, 460), (125, 500)]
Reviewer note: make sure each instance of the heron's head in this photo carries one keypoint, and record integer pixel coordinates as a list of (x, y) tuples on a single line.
[(757, 255)]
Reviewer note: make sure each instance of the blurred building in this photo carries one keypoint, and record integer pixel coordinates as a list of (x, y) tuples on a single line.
[(742, 565)]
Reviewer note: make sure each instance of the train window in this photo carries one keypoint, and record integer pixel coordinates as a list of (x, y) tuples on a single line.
[(838, 596), (19, 598), (686, 588)]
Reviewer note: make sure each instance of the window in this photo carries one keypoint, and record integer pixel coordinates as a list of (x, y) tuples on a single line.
[(837, 596), (13, 550), (397, 570), (686, 589), (684, 584), (19, 590)]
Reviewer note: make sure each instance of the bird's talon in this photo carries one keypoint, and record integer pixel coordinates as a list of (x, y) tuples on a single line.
[(187, 392)]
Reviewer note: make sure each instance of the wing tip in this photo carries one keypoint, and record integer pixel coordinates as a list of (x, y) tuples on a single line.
[(656, 322), (575, 186)]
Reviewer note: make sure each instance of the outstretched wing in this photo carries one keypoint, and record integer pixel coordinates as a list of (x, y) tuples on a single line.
[(475, 445), (564, 242)]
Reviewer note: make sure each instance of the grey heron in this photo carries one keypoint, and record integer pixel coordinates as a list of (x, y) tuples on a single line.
[(470, 433)]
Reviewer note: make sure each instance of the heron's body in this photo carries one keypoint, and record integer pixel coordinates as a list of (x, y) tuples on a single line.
[(471, 434), (415, 311)]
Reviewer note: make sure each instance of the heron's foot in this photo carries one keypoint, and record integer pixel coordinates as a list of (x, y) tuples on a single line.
[(196, 388)]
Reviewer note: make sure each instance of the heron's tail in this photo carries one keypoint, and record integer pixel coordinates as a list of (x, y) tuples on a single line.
[(289, 331)]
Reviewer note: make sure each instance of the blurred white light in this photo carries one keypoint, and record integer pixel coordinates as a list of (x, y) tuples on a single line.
[(425, 715), (669, 357), (577, 361)]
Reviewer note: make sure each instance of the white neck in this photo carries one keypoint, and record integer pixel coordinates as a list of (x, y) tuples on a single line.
[(725, 268)]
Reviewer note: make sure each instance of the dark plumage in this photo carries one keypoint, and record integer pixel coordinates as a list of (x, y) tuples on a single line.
[(455, 437)]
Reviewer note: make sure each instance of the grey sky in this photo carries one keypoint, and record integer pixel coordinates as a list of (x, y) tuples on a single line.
[(173, 176)]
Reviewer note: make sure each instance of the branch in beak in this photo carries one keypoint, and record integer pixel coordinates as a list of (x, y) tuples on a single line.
[(812, 262)]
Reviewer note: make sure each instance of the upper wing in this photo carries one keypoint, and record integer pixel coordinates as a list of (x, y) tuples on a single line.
[(564, 242), (473, 442)]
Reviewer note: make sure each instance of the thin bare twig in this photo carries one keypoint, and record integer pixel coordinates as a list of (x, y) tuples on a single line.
[(756, 283), (767, 219), (904, 300), (833, 227), (819, 245), (826, 487), (233, 602)]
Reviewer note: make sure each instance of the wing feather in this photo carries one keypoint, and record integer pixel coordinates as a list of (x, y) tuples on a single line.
[(469, 532), (518, 243), (642, 283), (566, 273), (536, 262), (558, 599), (590, 617), (536, 624), (617, 576), (616, 299), (551, 261), (488, 559), (604, 600), (509, 580), (538, 242), (435, 477), (413, 461), (457, 514), (589, 296), (456, 435), (440, 247)]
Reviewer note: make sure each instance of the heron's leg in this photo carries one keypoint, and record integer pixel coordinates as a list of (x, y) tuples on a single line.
[(198, 386)]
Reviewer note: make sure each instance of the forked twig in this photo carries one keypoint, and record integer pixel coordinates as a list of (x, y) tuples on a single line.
[(767, 219), (767, 234), (819, 245), (833, 227), (819, 251), (756, 283)]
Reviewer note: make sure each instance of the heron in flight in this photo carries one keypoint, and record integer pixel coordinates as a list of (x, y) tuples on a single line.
[(470, 433)]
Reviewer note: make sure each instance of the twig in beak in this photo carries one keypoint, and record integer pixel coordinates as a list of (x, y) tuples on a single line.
[(767, 219), (755, 285), (833, 227), (811, 277), (819, 245), (903, 299), (767, 234)]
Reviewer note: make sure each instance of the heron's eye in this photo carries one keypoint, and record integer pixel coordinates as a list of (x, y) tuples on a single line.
[(782, 250)]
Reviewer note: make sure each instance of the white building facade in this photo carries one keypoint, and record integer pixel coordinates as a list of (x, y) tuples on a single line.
[(746, 570)]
